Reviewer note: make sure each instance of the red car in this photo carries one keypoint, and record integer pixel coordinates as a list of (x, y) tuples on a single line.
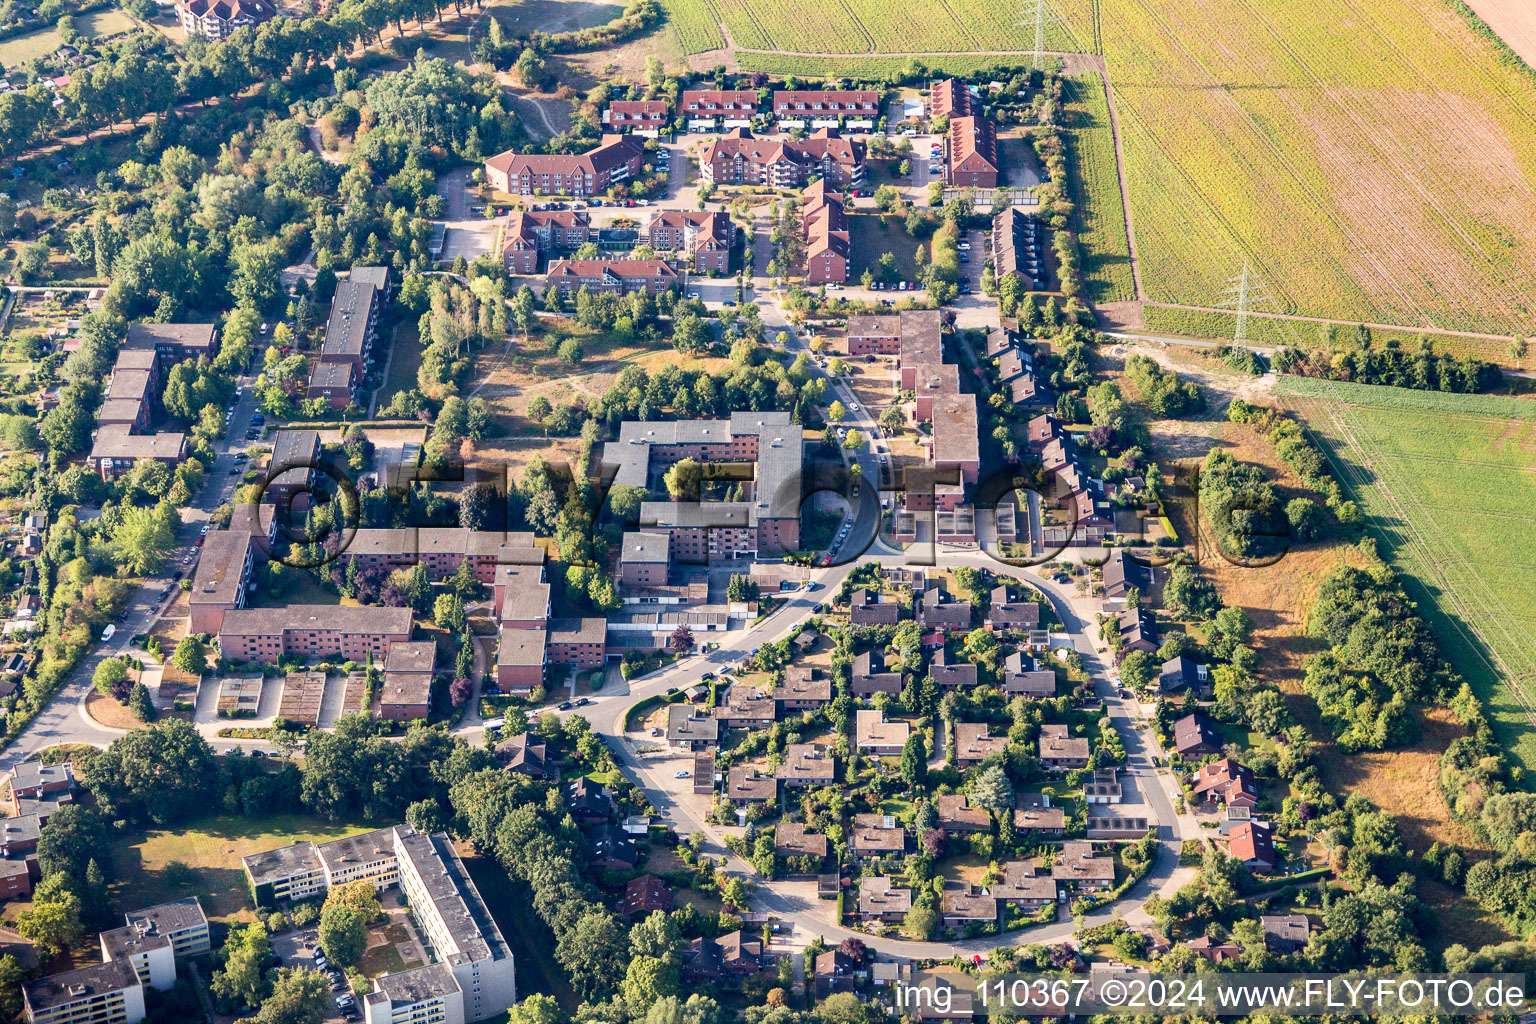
[(827, 560)]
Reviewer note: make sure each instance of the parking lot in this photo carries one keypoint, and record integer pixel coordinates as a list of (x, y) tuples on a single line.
[(298, 948)]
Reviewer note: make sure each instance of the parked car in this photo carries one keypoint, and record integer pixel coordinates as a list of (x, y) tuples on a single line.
[(683, 774), (108, 633), (564, 705)]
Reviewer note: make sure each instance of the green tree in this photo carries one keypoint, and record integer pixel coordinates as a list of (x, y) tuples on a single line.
[(52, 923), (683, 479), (343, 933), (1138, 671), (111, 674), (919, 923), (191, 655), (245, 953), (448, 612), (646, 980), (992, 790), (914, 760), (140, 703), (299, 996), (855, 441), (143, 537), (837, 412)]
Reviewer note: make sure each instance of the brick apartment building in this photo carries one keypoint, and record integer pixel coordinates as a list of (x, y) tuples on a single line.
[(311, 631), (972, 153), (611, 277), (532, 233), (615, 159), (580, 643), (868, 335), (824, 224), (441, 550), (949, 98), (349, 336), (704, 237), (739, 158), (405, 692)]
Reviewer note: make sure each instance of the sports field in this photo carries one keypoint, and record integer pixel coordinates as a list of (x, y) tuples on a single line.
[(1374, 159), (1449, 482)]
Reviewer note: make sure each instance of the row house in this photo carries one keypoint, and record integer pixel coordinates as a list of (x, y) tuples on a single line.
[(617, 158), (1016, 242), (824, 223), (738, 158), (611, 277), (531, 233), (636, 115), (826, 103), (311, 631), (702, 237), (736, 104), (1083, 516)]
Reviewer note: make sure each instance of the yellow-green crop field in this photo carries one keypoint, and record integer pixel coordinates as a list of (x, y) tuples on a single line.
[(1449, 484), (858, 26), (1374, 159)]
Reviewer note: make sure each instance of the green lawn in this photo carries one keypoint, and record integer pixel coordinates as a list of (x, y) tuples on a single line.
[(868, 241), (43, 42), (404, 361), (211, 849), (1448, 484)]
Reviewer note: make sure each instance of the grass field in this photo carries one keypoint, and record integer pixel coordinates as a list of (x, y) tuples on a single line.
[(1375, 159), (1449, 484), (1096, 194), (876, 68), (43, 42), (1314, 334), (144, 871)]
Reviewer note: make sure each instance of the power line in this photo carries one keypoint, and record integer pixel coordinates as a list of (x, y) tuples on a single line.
[(1242, 293), (1040, 14)]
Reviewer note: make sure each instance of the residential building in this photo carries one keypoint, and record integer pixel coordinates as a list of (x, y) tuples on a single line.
[(690, 729), (1285, 933), (881, 901), (1253, 844), (531, 233), (104, 993), (1226, 782), (938, 610), (965, 905), (957, 815), (116, 450), (1183, 673), (1034, 815), (1025, 886), (525, 754), (1021, 677), (955, 442), (806, 764), (743, 786), (834, 971), (611, 277), (580, 643), (587, 801), (872, 608), (218, 19), (791, 840), (181, 921), (950, 676), (405, 692), (520, 659), (1103, 787), (1122, 574), (334, 382), (949, 98), (441, 550), (636, 115), (617, 158), (735, 104), (1015, 242), (746, 709), (739, 158), (869, 676), (429, 994), (971, 148), (1060, 750), (874, 735), (353, 324), (701, 237), (973, 745), (294, 466), (1214, 950), (803, 689), (826, 103), (1004, 613), (824, 223), (311, 631), (1195, 734), (732, 957), (766, 448), (35, 786), (150, 954), (870, 335), (646, 895), (610, 847), (1077, 865)]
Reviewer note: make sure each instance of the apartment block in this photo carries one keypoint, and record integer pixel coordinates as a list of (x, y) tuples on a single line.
[(739, 158), (311, 631), (615, 159), (104, 993)]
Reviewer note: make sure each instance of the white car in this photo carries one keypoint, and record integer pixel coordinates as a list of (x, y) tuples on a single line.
[(693, 295), (854, 406), (108, 633), (682, 774)]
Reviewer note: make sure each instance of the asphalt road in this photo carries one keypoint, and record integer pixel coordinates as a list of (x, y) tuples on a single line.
[(64, 719)]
